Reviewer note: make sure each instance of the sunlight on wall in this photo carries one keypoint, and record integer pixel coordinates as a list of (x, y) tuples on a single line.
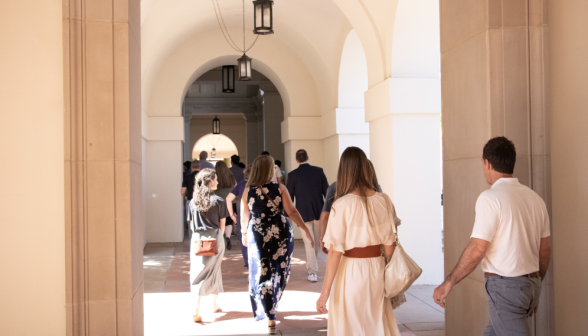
[(221, 143)]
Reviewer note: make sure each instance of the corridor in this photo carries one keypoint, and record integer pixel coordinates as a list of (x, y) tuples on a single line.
[(168, 302)]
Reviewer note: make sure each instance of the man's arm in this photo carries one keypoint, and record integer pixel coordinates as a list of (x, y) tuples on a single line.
[(469, 260), (183, 191), (325, 183), (544, 256)]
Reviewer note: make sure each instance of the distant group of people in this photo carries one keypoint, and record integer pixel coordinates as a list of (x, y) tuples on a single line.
[(353, 222)]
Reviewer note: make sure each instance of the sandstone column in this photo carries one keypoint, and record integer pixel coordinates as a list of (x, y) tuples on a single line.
[(492, 84), (32, 286), (104, 231), (568, 52)]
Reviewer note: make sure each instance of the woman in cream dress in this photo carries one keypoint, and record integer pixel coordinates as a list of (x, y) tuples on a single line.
[(359, 225)]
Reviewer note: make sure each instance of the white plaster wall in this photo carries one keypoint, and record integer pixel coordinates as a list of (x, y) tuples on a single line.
[(332, 155), (165, 219), (353, 77), (144, 180), (416, 171), (233, 127), (32, 209)]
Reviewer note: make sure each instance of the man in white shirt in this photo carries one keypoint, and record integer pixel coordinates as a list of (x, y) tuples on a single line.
[(277, 178), (203, 163), (511, 239)]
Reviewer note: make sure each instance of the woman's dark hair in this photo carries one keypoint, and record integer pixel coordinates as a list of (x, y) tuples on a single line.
[(279, 163), (501, 154), (265, 153), (225, 176), (235, 159), (241, 165)]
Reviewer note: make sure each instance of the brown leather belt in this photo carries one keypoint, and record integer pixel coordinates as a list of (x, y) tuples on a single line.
[(530, 275), (364, 252)]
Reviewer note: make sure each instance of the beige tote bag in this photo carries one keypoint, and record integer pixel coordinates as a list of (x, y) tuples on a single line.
[(401, 271)]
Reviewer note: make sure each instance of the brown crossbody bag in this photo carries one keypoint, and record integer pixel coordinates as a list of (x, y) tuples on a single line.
[(205, 248)]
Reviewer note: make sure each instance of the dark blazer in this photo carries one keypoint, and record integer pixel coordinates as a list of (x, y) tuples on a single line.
[(308, 185)]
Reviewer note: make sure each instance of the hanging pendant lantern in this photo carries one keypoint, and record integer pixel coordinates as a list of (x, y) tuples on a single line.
[(228, 78), (244, 68), (213, 153), (215, 126), (263, 17)]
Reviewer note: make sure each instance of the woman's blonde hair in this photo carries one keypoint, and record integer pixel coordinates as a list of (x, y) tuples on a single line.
[(202, 191), (356, 172), (262, 171), (225, 176)]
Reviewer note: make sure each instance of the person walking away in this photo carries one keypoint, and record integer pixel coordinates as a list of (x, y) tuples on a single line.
[(187, 169), (511, 239), (308, 185), (360, 223), (235, 169), (187, 190), (400, 298), (279, 164), (226, 183), (208, 223), (269, 238), (203, 163), (277, 177), (235, 212)]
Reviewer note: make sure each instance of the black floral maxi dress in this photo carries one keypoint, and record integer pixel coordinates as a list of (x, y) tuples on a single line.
[(270, 242)]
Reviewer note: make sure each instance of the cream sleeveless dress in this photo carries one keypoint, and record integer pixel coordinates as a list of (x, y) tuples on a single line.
[(357, 305)]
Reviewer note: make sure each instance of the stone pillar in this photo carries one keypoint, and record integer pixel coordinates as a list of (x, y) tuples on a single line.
[(273, 112), (405, 148), (33, 239), (103, 158), (252, 146), (568, 73), (341, 128), (260, 132), (493, 84), (187, 144)]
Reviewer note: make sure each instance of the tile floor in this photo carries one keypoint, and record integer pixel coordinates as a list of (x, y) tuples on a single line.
[(169, 304)]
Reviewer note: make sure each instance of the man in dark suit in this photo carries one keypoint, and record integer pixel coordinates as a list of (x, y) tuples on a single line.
[(307, 186)]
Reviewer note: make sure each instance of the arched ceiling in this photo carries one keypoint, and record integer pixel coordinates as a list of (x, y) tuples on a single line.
[(314, 30)]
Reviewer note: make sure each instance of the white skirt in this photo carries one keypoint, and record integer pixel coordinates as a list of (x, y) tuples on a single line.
[(357, 305)]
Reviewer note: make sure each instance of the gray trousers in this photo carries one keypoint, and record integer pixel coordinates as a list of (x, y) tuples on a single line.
[(510, 301)]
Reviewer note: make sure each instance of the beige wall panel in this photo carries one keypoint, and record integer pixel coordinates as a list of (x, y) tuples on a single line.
[(466, 311), (465, 120), (102, 318), (472, 16), (99, 87), (463, 181), (33, 274), (569, 105), (138, 315)]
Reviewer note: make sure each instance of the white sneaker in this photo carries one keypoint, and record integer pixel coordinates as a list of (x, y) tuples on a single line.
[(312, 278)]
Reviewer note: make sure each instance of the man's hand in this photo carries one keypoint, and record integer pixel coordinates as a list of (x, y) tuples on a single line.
[(324, 248), (534, 311), (441, 293)]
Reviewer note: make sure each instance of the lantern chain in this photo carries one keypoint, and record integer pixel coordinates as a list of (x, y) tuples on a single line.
[(225, 31)]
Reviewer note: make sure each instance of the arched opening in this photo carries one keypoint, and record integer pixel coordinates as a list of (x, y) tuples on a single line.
[(218, 146)]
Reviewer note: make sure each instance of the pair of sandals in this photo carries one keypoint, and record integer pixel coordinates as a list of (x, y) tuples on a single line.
[(271, 329)]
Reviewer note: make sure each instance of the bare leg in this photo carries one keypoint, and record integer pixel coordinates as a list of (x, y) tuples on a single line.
[(214, 303), (228, 230)]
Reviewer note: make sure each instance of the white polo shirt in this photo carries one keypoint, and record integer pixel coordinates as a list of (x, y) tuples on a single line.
[(513, 218)]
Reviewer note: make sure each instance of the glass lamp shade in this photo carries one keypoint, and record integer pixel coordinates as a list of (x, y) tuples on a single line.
[(228, 78), (213, 153), (244, 68), (263, 17), (215, 126)]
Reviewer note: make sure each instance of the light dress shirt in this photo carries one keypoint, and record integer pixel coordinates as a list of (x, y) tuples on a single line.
[(277, 173), (513, 218)]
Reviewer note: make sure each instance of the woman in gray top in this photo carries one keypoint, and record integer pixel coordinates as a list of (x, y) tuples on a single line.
[(209, 213)]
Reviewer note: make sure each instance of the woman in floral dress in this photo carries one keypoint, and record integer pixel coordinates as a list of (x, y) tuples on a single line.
[(268, 237)]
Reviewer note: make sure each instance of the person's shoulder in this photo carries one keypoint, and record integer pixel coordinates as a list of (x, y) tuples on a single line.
[(217, 199)]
